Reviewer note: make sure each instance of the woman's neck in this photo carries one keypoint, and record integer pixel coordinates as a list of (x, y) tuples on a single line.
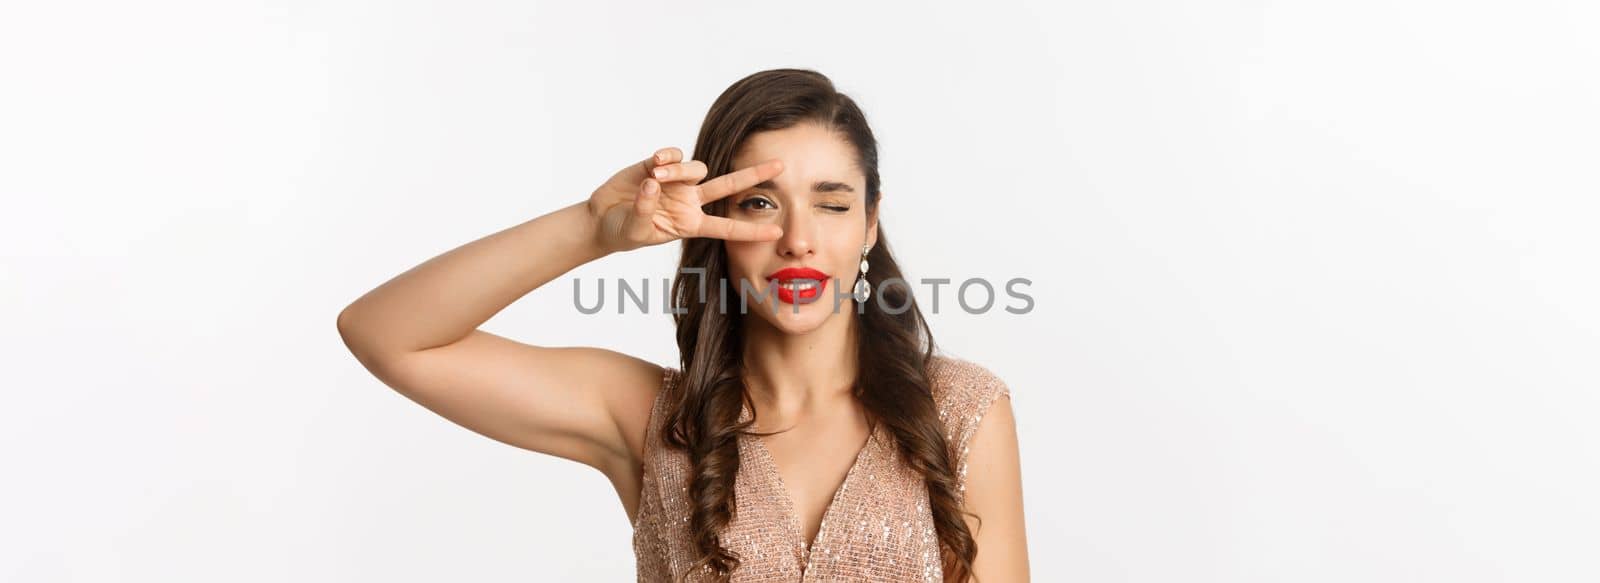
[(791, 375)]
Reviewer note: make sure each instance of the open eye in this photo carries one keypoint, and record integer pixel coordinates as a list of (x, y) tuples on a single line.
[(746, 204)]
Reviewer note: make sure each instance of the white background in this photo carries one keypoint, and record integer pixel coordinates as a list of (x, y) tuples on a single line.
[(1314, 281)]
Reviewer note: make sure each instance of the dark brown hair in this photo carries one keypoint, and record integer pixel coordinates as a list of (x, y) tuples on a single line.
[(894, 350)]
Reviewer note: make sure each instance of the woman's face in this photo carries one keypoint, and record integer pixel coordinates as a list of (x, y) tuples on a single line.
[(820, 202)]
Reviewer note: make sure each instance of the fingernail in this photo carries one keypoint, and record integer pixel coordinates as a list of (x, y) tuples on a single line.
[(659, 172), (649, 187)]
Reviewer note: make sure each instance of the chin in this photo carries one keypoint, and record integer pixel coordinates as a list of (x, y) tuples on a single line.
[(810, 318)]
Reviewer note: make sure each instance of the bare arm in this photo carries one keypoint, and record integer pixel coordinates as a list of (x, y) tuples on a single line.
[(418, 332), (994, 492)]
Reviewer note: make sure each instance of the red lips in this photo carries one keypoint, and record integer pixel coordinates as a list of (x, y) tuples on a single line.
[(789, 277), (788, 273)]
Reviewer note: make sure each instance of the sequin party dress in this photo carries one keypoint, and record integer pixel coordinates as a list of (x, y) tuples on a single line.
[(878, 527)]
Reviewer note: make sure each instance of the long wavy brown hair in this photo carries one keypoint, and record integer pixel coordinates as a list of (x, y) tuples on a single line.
[(894, 350)]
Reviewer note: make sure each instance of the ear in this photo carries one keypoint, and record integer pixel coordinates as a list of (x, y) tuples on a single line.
[(872, 221)]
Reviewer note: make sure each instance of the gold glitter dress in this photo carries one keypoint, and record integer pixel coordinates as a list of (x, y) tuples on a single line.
[(878, 527)]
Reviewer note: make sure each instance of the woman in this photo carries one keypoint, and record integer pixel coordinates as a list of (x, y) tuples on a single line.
[(809, 432)]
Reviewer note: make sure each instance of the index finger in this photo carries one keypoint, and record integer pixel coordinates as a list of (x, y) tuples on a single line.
[(739, 180)]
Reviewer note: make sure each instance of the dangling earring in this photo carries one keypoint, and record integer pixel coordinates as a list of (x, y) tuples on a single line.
[(863, 289)]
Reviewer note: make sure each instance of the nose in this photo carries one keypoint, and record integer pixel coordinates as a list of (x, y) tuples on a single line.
[(798, 237)]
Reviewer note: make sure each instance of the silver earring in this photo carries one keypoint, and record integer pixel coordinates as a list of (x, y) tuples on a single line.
[(863, 289)]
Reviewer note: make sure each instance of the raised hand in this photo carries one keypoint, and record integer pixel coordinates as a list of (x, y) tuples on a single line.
[(658, 200)]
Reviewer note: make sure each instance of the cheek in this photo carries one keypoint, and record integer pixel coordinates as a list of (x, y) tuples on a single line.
[(744, 258), (848, 257), (848, 249)]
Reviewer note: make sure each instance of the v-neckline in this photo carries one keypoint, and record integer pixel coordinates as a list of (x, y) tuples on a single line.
[(795, 525)]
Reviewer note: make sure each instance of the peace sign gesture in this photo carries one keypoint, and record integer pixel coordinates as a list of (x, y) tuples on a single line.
[(659, 199)]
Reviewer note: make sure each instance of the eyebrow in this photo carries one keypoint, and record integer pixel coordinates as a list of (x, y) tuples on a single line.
[(820, 186)]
